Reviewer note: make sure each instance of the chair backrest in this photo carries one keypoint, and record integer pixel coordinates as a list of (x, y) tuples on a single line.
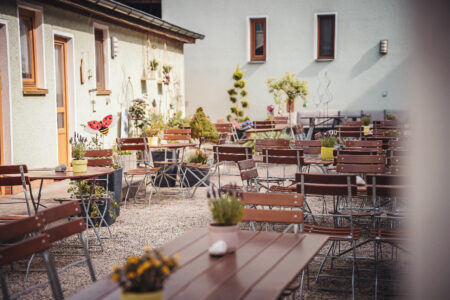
[(325, 178), (283, 156), (224, 127), (308, 146), (263, 124), (247, 169), (352, 123), (273, 215), (21, 227), (364, 144), (16, 175), (132, 144), (349, 131), (385, 179), (99, 158), (177, 134), (326, 184), (358, 151), (391, 191), (261, 144), (361, 163), (231, 153), (280, 120), (395, 144), (222, 138)]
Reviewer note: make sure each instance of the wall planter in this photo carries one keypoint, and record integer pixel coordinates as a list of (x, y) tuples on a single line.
[(195, 173), (168, 179)]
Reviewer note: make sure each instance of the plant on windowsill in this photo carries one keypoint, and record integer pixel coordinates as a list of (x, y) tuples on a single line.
[(78, 142), (292, 87), (366, 125), (327, 144), (143, 277), (227, 211)]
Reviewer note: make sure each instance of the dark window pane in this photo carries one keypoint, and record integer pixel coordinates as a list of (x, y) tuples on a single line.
[(326, 36), (59, 73), (99, 60), (259, 38), (60, 120), (25, 47)]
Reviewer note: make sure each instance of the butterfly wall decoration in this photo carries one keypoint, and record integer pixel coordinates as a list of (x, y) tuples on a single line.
[(102, 126)]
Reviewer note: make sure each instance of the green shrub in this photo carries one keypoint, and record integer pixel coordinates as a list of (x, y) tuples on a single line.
[(232, 92), (328, 141), (233, 99), (234, 109), (226, 207), (245, 103), (78, 143), (244, 93), (202, 128), (365, 120), (197, 157)]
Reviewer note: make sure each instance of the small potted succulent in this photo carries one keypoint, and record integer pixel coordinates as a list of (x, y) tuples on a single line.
[(143, 277), (227, 211), (366, 125), (153, 68), (327, 146), (79, 164)]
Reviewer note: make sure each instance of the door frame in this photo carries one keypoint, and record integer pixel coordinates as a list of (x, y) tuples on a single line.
[(71, 84)]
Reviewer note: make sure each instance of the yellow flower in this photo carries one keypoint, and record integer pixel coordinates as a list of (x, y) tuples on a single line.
[(131, 275), (157, 263), (176, 255), (143, 267), (147, 248), (165, 270), (116, 268), (115, 277), (133, 259)]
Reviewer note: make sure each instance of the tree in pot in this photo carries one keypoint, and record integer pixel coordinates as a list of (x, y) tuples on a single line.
[(227, 211), (327, 146), (292, 87), (366, 124), (79, 164), (143, 277), (203, 129)]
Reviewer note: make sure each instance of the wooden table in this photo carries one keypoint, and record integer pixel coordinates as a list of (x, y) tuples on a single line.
[(46, 174), (262, 266)]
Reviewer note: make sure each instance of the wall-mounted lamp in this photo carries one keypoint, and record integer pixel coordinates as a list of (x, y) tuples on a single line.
[(383, 47), (114, 47)]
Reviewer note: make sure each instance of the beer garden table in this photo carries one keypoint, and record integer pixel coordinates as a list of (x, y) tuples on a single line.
[(262, 266)]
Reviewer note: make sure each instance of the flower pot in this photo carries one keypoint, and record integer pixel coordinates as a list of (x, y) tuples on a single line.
[(79, 165), (158, 295), (326, 153), (153, 141), (228, 234), (168, 179), (195, 173), (366, 130)]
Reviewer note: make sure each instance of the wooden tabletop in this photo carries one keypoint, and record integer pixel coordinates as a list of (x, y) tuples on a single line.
[(262, 266), (68, 174)]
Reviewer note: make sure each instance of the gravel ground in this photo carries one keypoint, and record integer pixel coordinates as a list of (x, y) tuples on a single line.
[(167, 219)]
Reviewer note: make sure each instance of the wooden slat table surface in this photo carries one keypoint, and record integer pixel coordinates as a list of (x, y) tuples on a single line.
[(262, 266)]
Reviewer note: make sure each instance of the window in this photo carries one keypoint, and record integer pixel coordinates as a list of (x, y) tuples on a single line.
[(100, 59), (28, 48), (325, 36), (258, 39)]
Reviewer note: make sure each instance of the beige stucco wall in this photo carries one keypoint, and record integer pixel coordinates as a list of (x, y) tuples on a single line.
[(34, 138)]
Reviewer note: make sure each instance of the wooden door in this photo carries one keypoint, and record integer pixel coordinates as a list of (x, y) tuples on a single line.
[(61, 100)]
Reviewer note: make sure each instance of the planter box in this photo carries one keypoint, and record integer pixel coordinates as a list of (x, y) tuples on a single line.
[(199, 170), (101, 206), (115, 186), (170, 171)]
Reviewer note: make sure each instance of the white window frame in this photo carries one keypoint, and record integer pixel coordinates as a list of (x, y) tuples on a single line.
[(249, 60), (316, 41), (106, 51), (40, 51)]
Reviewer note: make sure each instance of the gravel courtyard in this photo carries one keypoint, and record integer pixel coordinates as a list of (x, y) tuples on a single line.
[(166, 219)]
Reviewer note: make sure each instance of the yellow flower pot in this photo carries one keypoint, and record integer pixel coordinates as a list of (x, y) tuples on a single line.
[(366, 130), (327, 153), (158, 295), (79, 165), (153, 141)]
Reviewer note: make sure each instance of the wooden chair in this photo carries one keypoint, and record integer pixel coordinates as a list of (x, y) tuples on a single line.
[(269, 125), (330, 185), (177, 135), (283, 157), (15, 176), (352, 123), (308, 146), (387, 188), (252, 182), (23, 245), (225, 132), (350, 132), (261, 144), (361, 164), (229, 154), (144, 171), (280, 121)]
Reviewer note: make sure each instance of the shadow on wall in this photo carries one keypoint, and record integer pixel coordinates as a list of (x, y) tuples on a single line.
[(313, 69), (367, 60), (393, 83)]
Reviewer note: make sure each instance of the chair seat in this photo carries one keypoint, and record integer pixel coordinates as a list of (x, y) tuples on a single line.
[(142, 171), (337, 234)]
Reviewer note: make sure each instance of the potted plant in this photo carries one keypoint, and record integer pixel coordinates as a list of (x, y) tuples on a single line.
[(327, 146), (143, 277), (202, 128), (156, 126), (110, 208), (197, 167), (166, 73), (227, 211), (366, 125), (138, 116), (153, 68), (237, 96), (292, 87), (79, 164)]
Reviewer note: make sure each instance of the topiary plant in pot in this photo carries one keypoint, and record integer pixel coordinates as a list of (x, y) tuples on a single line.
[(227, 211), (327, 146), (202, 128), (366, 125)]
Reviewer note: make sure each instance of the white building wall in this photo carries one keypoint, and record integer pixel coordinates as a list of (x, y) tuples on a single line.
[(361, 78)]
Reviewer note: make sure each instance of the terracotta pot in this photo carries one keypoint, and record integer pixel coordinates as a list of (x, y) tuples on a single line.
[(79, 165), (290, 106), (158, 295), (326, 153), (228, 234)]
